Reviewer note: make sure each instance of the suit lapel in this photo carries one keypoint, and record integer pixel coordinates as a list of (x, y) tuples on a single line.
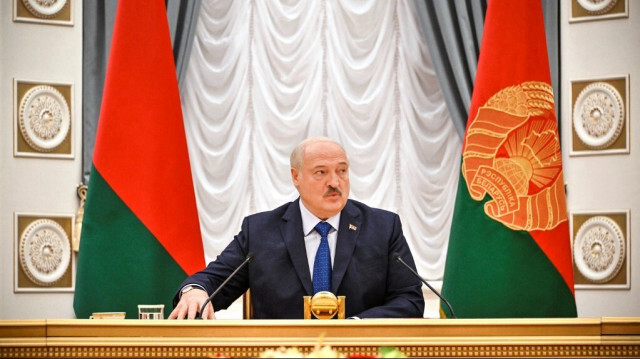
[(293, 236), (347, 235)]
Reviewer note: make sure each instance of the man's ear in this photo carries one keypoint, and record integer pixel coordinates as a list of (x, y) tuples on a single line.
[(294, 176)]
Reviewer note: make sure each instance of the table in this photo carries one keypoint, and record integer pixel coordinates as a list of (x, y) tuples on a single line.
[(127, 338)]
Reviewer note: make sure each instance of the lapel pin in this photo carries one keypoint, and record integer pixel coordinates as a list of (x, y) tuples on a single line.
[(352, 227)]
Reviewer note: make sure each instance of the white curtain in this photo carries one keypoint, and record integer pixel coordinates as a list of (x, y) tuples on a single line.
[(265, 74)]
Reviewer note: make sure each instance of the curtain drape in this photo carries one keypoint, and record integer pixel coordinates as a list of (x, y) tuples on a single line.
[(183, 16), (453, 31), (551, 13), (97, 28), (264, 75)]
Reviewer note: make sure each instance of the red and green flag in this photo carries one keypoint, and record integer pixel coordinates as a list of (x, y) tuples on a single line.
[(509, 251), (140, 233)]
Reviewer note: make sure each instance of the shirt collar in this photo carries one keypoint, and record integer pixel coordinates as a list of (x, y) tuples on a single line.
[(309, 220)]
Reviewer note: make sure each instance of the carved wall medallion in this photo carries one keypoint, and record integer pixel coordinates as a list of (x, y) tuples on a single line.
[(600, 123), (597, 7), (44, 9), (588, 10), (44, 118), (599, 249), (44, 252), (45, 12), (598, 115)]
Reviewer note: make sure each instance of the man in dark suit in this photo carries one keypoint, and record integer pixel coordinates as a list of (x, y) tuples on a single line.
[(321, 241)]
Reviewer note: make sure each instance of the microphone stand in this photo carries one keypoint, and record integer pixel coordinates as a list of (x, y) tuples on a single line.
[(397, 257), (247, 260)]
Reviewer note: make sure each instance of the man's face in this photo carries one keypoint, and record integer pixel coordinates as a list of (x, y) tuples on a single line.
[(323, 180)]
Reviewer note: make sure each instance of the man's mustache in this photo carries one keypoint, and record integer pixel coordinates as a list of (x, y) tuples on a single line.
[(331, 190)]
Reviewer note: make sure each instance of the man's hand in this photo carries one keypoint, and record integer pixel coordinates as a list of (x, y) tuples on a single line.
[(190, 304)]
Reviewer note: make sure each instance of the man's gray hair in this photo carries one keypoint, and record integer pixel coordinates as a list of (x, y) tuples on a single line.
[(298, 153)]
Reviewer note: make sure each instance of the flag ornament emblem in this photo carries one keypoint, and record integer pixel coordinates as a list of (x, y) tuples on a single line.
[(512, 152), (352, 227)]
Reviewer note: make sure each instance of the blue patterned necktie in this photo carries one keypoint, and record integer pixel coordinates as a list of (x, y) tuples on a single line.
[(322, 264)]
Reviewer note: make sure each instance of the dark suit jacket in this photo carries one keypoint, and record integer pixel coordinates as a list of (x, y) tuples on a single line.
[(364, 271)]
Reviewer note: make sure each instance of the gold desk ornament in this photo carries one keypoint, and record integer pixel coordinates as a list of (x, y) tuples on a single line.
[(82, 194), (324, 305)]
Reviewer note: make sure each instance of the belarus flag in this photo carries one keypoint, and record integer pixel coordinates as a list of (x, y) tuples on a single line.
[(509, 251), (140, 234)]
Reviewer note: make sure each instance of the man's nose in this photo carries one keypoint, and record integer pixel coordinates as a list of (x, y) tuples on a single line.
[(333, 180)]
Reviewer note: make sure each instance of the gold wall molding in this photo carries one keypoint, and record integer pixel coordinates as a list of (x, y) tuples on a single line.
[(129, 338)]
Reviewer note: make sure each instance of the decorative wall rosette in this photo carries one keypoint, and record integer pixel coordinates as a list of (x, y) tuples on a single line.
[(44, 252), (43, 258), (54, 12), (600, 249), (44, 9), (44, 118), (598, 115), (585, 10), (597, 7)]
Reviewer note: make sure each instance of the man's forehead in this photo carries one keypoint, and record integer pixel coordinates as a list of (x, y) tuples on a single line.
[(321, 163), (326, 158), (324, 153)]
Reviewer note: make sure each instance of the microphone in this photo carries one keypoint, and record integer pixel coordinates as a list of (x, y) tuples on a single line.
[(397, 258), (247, 260)]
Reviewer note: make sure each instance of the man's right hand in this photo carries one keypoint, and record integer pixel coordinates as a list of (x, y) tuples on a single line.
[(190, 304)]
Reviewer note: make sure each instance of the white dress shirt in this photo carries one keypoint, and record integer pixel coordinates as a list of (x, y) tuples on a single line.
[(312, 237)]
